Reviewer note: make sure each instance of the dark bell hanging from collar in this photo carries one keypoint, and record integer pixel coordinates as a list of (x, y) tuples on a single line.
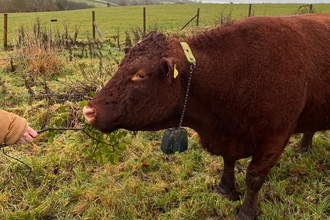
[(175, 140)]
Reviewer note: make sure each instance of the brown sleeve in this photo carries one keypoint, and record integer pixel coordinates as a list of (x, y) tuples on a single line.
[(12, 127)]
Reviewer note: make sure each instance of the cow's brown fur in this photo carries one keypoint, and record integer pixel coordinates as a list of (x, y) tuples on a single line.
[(256, 82)]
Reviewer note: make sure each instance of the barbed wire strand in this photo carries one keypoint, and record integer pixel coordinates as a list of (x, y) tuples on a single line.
[(38, 55), (45, 55), (43, 95)]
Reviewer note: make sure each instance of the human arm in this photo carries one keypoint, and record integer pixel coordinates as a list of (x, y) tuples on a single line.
[(14, 129)]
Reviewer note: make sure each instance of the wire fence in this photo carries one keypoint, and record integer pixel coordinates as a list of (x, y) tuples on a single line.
[(45, 96), (9, 99), (8, 58)]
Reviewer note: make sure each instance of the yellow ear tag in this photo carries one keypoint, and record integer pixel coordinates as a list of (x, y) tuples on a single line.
[(176, 72)]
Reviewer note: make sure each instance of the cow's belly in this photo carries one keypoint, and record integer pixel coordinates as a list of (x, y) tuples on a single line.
[(314, 118)]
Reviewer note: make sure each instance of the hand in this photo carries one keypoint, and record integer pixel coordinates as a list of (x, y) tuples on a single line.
[(27, 136)]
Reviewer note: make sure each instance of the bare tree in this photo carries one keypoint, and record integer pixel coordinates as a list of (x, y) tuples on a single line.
[(15, 5)]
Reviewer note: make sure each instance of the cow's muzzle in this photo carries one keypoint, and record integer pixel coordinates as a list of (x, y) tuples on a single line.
[(89, 113)]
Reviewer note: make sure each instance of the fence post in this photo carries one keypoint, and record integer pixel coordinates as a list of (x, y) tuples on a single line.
[(310, 8), (5, 31), (188, 22), (144, 21), (250, 6), (93, 26), (197, 18)]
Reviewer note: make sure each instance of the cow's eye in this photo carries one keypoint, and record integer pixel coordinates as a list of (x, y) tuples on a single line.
[(139, 76)]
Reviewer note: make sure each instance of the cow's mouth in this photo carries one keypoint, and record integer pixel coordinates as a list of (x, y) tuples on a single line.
[(92, 116), (89, 114)]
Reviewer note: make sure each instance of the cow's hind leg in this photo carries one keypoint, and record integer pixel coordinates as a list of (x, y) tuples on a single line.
[(227, 185), (261, 164), (306, 142)]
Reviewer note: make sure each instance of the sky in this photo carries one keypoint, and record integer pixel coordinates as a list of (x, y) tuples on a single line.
[(269, 1)]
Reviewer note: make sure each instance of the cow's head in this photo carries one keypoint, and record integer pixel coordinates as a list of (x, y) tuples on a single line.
[(143, 94)]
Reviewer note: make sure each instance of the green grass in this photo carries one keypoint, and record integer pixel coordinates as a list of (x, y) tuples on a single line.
[(162, 17), (146, 184)]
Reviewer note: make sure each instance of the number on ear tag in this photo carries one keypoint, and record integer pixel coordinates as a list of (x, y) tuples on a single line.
[(176, 72)]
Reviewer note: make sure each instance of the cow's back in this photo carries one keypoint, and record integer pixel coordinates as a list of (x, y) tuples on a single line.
[(274, 73)]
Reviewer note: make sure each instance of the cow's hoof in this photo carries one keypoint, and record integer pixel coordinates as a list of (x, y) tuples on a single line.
[(232, 194), (302, 148), (251, 215)]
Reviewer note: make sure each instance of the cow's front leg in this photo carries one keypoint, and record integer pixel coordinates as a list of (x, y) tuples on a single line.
[(227, 185), (261, 164)]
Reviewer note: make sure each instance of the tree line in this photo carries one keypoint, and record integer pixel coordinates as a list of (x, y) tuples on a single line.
[(10, 6)]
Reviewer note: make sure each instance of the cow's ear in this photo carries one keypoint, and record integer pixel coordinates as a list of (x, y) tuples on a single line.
[(127, 50), (168, 67)]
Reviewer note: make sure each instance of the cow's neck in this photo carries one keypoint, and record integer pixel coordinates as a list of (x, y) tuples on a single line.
[(192, 61), (199, 94)]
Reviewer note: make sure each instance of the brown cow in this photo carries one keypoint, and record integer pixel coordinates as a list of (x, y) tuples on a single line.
[(255, 83)]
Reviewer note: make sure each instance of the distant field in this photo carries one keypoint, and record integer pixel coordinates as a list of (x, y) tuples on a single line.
[(95, 3), (67, 178), (165, 17)]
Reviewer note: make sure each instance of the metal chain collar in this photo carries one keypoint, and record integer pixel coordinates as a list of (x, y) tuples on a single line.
[(192, 66)]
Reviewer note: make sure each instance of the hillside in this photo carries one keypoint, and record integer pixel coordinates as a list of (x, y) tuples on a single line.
[(106, 3), (95, 3)]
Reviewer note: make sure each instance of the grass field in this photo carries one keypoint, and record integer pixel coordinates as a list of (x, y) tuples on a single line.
[(65, 183), (163, 17)]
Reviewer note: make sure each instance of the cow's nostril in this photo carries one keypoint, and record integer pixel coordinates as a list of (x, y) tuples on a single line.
[(89, 113)]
